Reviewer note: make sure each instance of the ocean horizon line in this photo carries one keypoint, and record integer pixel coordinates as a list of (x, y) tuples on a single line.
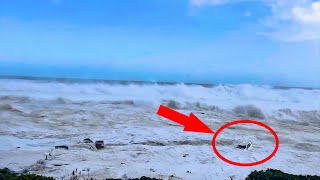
[(139, 82)]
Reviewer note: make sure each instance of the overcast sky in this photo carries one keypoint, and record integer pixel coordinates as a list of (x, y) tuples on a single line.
[(274, 42)]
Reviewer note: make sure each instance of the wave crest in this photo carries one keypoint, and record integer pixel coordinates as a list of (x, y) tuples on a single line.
[(250, 111)]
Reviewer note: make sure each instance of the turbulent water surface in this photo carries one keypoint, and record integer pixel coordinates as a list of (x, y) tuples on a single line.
[(36, 115)]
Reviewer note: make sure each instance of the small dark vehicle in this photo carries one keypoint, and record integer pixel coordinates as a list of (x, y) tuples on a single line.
[(99, 144), (247, 146)]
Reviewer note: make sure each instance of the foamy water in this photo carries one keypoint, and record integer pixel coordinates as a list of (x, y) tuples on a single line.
[(224, 96), (37, 115)]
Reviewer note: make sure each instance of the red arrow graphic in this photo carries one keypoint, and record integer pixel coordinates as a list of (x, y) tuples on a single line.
[(191, 123)]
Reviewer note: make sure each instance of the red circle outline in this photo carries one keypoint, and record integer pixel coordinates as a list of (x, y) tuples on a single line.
[(247, 122)]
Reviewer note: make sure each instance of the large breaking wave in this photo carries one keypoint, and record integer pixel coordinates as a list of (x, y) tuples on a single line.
[(174, 95)]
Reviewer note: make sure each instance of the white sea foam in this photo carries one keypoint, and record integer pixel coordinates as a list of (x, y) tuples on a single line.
[(37, 115), (223, 96)]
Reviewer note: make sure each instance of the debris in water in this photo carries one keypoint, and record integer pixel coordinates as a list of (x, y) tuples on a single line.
[(87, 140), (247, 146), (185, 155), (62, 147), (99, 144)]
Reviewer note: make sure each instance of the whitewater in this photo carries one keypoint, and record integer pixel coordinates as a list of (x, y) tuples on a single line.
[(36, 115)]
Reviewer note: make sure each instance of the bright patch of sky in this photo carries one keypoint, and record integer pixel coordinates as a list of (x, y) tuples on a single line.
[(274, 42)]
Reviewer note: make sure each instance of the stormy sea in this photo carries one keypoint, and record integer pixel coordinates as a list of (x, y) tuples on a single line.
[(44, 122)]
